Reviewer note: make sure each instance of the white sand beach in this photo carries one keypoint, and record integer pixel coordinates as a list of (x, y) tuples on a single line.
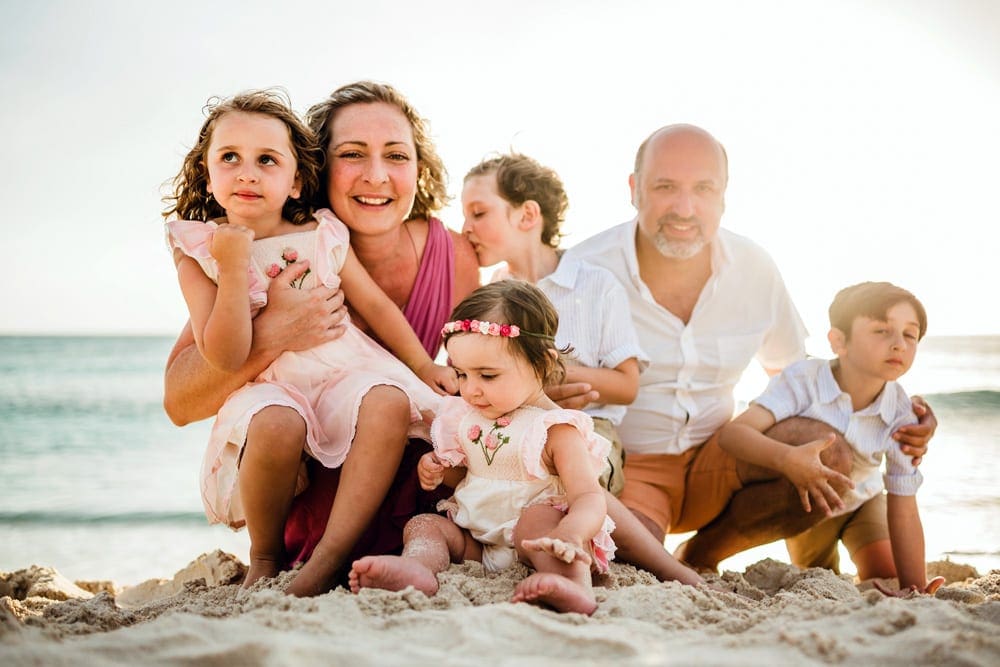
[(770, 614)]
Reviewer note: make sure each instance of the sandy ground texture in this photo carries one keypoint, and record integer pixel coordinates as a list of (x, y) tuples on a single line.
[(770, 614)]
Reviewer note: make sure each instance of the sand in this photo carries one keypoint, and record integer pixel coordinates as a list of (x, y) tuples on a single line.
[(770, 614)]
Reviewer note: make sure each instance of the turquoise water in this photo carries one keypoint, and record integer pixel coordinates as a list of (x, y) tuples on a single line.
[(96, 482)]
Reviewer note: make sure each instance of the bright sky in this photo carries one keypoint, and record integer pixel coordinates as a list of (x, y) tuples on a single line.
[(862, 135)]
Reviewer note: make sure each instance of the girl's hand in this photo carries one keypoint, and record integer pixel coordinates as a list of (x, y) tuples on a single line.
[(812, 478), (231, 246), (914, 438), (441, 379), (430, 471), (929, 589), (566, 551)]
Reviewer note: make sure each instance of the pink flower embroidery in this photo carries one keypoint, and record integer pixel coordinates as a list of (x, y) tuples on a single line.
[(503, 421), (491, 441), (474, 432), (289, 255), (273, 271)]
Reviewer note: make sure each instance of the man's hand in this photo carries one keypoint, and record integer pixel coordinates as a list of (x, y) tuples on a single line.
[(572, 395), (914, 438), (296, 319)]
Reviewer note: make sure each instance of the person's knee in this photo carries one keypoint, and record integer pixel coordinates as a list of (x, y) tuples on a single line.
[(800, 430), (278, 433), (388, 402)]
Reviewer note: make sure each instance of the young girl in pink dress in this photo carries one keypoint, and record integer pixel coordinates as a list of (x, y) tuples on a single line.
[(241, 218), (524, 470)]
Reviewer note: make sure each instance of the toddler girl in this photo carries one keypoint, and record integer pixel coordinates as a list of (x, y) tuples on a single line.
[(242, 217), (529, 490)]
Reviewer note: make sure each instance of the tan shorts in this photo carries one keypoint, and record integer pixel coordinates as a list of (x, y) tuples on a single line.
[(681, 492), (817, 547), (613, 477)]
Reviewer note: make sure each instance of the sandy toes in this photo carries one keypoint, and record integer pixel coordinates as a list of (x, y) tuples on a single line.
[(556, 591), (391, 573)]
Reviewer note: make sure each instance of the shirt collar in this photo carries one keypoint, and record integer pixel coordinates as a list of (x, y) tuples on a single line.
[(565, 273), (830, 391)]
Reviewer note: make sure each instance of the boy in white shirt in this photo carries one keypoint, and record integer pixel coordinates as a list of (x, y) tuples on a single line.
[(875, 328)]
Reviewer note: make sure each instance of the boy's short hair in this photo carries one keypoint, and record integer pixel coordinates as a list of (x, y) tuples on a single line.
[(871, 299)]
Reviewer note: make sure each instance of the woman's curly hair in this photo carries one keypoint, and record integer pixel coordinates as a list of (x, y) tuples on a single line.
[(432, 178)]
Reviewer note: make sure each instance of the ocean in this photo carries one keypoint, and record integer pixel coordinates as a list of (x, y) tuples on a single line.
[(96, 482)]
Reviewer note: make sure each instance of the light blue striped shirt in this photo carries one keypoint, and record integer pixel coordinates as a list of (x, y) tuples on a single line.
[(808, 389)]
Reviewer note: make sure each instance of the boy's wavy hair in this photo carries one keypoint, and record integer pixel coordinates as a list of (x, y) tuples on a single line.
[(872, 299), (520, 178), (432, 178), (523, 304), (191, 200)]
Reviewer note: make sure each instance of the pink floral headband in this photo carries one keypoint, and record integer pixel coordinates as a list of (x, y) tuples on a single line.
[(487, 328)]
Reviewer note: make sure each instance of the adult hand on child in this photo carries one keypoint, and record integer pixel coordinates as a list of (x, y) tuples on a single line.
[(572, 395), (914, 438), (296, 319), (430, 471), (812, 478)]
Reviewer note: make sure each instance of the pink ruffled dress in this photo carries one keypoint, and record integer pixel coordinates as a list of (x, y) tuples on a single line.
[(505, 473), (325, 384)]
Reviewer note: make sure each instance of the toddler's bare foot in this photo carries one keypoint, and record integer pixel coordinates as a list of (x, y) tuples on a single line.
[(567, 552), (556, 591), (260, 568), (392, 573)]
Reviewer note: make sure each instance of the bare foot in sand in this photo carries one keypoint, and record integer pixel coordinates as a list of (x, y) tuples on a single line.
[(260, 569), (556, 591), (567, 552), (392, 573)]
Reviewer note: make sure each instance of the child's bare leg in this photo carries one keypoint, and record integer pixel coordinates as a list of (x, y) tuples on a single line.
[(565, 587), (367, 473), (430, 544), (268, 470), (637, 546), (874, 560)]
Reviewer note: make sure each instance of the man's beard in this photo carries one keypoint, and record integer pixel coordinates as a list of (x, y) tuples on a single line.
[(672, 249)]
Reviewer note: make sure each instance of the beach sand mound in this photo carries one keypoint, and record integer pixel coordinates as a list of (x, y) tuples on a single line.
[(772, 613)]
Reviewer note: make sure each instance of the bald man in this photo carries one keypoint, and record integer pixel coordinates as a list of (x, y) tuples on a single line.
[(705, 302)]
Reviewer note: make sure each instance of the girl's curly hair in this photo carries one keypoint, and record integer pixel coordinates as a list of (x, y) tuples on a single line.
[(191, 200)]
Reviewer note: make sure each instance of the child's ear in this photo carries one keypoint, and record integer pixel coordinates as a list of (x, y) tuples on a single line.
[(296, 186), (531, 215), (208, 179), (838, 340)]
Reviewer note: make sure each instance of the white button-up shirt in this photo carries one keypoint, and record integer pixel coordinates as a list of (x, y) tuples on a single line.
[(594, 318), (808, 389), (743, 312)]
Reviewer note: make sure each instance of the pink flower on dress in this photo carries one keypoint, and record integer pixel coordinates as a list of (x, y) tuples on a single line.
[(289, 255), (273, 271), (503, 421), (474, 432), (491, 441)]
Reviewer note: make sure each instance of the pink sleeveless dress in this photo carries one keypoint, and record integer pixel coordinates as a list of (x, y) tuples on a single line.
[(426, 310), (324, 384)]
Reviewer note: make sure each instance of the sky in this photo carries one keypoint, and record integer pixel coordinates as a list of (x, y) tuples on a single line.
[(862, 135)]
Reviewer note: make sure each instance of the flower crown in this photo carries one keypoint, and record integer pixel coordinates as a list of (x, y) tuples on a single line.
[(487, 328)]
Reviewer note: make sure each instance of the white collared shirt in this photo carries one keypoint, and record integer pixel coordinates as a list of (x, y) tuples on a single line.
[(743, 312), (808, 389), (594, 318)]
